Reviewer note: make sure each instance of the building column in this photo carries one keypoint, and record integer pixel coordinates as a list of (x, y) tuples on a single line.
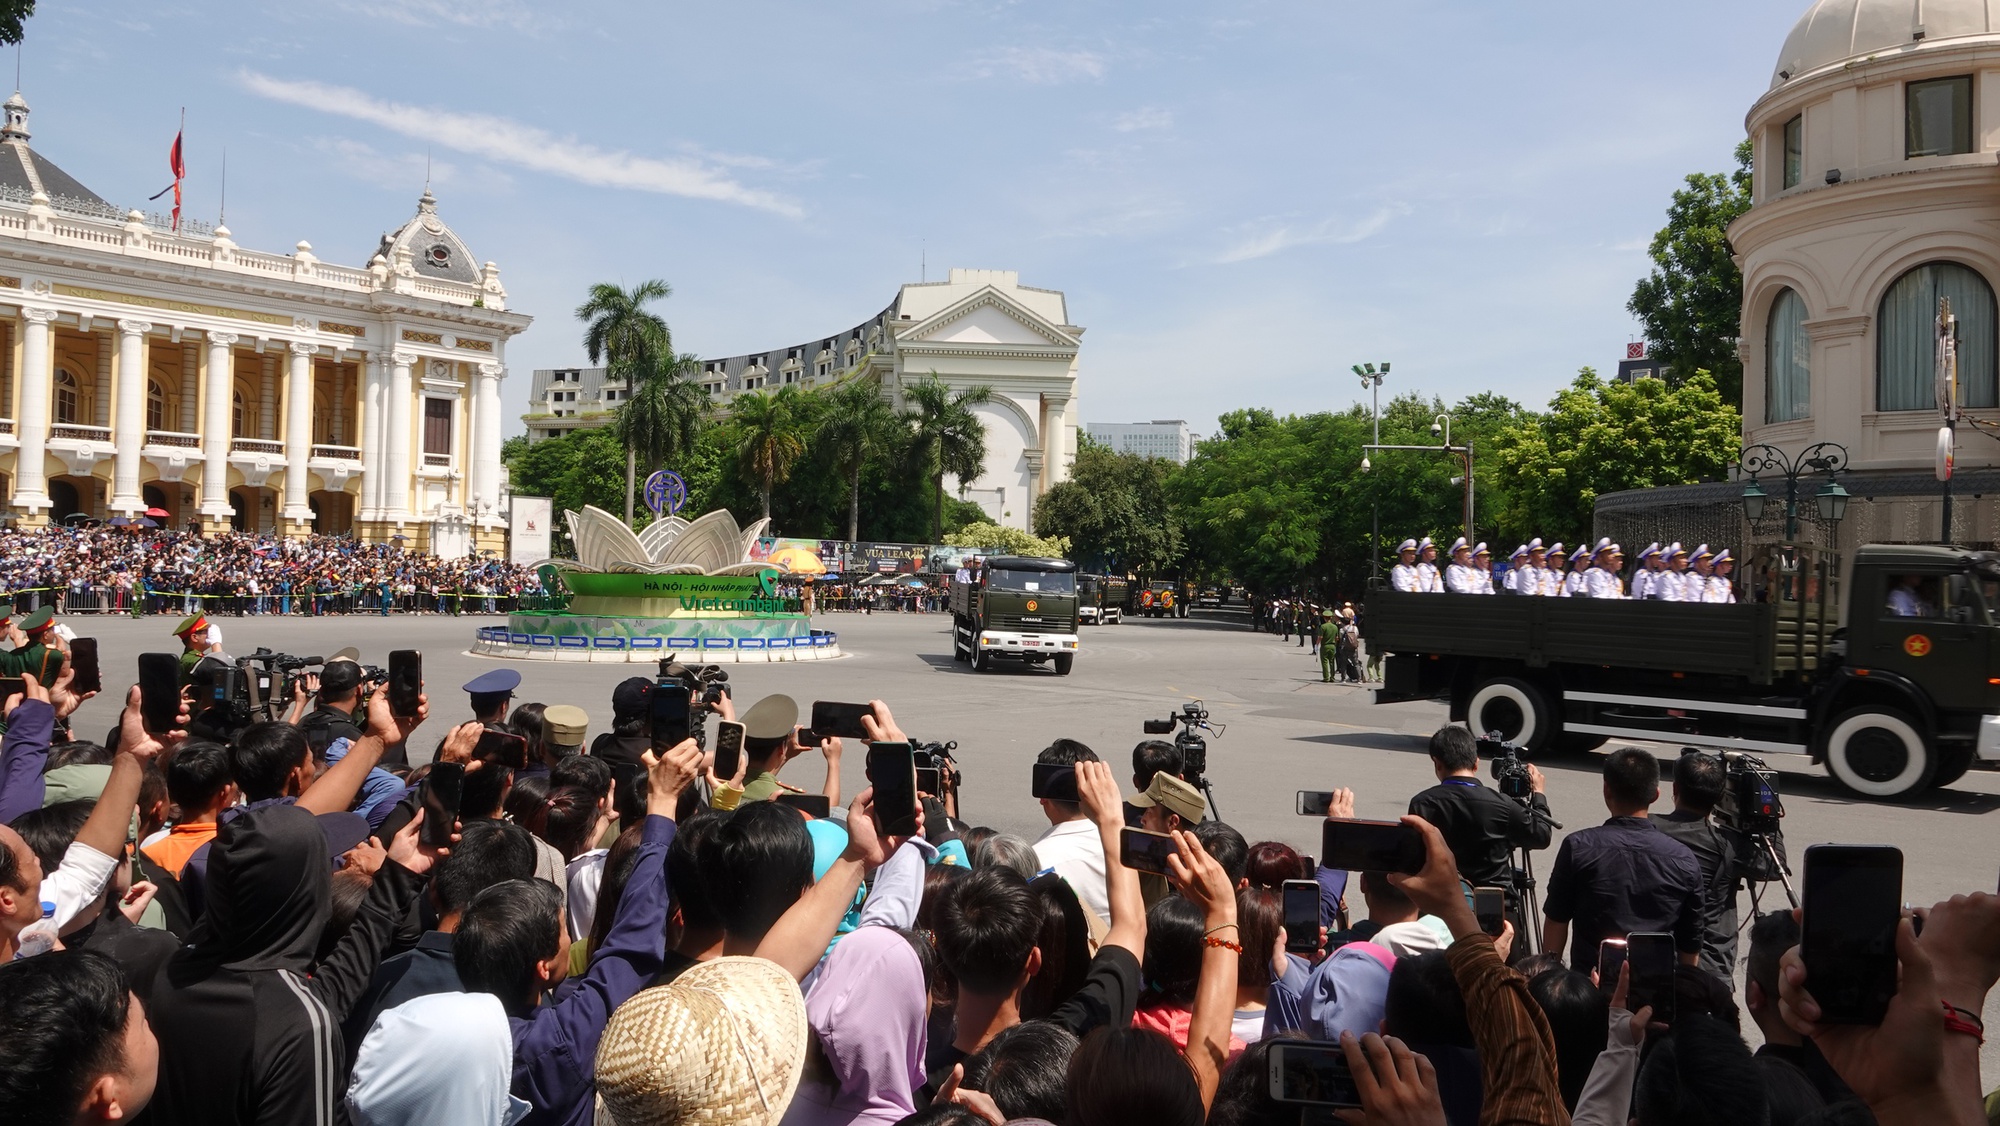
[(372, 399), (485, 476), (1034, 489), (31, 482), (215, 507), (337, 432), (100, 390), (190, 387), (267, 400), (396, 438), (298, 437), (130, 436)]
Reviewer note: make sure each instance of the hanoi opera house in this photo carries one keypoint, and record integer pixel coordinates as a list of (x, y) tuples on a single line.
[(147, 369)]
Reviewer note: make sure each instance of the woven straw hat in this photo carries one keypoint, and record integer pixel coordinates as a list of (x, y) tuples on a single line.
[(723, 1043)]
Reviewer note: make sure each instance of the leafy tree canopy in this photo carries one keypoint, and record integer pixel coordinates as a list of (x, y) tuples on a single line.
[(1116, 509), (1692, 302), (1012, 541)]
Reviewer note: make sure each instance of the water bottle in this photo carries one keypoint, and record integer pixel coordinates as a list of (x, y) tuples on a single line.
[(39, 937)]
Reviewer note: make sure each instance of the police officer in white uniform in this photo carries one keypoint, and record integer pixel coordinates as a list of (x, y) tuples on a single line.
[(1517, 571), (1403, 576), (1573, 583)]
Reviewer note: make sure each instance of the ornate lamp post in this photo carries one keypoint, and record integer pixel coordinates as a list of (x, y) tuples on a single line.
[(1831, 499)]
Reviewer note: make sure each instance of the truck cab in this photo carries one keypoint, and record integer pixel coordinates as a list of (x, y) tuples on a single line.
[(1016, 608), (1100, 600)]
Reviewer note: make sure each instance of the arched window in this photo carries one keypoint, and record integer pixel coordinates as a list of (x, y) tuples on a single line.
[(65, 397), (1787, 361), (1906, 335), (236, 415), (156, 406)]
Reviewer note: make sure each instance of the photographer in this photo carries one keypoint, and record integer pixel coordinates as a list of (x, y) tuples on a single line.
[(1481, 825), (1699, 782), (332, 716)]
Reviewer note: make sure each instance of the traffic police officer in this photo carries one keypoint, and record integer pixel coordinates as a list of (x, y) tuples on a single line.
[(491, 692), (32, 654), (193, 632), (1329, 646)]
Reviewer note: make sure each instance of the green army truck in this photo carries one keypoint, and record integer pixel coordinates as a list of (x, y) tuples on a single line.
[(1101, 599), (1016, 608), (1899, 694)]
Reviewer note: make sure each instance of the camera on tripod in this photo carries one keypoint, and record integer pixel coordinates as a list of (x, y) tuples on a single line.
[(1192, 747), (1750, 801), (1510, 774)]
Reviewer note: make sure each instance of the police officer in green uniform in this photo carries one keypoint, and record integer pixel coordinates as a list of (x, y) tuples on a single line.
[(193, 632), (1329, 644), (32, 654)]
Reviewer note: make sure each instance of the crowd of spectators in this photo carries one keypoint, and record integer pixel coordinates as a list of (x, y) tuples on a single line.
[(618, 935), (161, 571)]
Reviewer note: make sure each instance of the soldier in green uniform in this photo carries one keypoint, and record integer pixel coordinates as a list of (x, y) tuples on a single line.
[(1329, 643), (193, 632), (32, 654)]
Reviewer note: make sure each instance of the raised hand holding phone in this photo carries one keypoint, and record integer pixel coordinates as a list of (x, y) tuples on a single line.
[(668, 772)]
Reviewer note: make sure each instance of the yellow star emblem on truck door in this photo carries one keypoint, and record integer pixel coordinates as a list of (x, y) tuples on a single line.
[(1917, 645)]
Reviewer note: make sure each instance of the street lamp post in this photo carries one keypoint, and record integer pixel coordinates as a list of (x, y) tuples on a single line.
[(1440, 426), (1372, 380), (1821, 457)]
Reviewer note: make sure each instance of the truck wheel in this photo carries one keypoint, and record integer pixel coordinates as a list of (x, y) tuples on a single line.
[(1879, 752), (1514, 708), (958, 652), (1063, 662), (1953, 762), (980, 661)]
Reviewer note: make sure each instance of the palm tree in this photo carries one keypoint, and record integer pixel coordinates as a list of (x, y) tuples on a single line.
[(946, 435), (857, 426), (767, 438), (625, 336), (662, 419)]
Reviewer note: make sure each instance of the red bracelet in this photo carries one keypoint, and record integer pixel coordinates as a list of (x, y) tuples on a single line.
[(1961, 1020), (1224, 943)]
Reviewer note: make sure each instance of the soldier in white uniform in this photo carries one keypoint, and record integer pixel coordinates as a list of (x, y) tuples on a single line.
[(1553, 571), (1403, 576), (1602, 580), (1647, 575), (1720, 589), (1517, 571), (1460, 576), (1428, 579), (1573, 583), (1672, 583), (1701, 567), (1482, 565)]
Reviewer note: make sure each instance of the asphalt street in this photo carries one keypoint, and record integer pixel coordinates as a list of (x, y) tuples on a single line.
[(1282, 729)]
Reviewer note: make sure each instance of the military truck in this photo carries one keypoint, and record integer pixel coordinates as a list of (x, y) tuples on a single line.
[(1101, 599), (1163, 600), (1901, 695), (1015, 607)]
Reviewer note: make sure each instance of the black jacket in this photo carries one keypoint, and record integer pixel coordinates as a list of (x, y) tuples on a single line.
[(1480, 824), (249, 1028)]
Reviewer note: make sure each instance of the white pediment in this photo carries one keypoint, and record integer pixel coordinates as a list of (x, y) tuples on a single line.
[(986, 325), (988, 317)]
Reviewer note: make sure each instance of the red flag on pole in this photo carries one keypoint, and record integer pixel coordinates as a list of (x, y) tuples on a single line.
[(180, 169)]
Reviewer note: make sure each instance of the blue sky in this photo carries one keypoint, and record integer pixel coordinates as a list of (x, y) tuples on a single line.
[(1241, 200)]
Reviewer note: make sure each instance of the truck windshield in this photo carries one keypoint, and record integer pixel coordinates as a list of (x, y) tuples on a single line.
[(1044, 582)]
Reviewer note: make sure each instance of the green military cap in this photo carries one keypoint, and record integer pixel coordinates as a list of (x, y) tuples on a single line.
[(564, 725), (190, 624), (39, 620)]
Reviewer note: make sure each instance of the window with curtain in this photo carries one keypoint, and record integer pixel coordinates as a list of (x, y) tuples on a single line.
[(437, 426), (236, 415), (1787, 361), (1906, 338), (65, 397), (1938, 117), (156, 406), (1795, 151)]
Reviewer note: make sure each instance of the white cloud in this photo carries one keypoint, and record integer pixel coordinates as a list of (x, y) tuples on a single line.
[(1148, 118), (1266, 240), (523, 146), (464, 13), (389, 170), (1045, 66)]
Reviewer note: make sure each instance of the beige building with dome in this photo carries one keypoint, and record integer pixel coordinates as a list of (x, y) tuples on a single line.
[(144, 368)]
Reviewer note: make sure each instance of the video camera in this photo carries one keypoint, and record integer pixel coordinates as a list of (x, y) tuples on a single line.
[(1750, 802), (937, 756), (706, 685), (1193, 748), (1510, 774)]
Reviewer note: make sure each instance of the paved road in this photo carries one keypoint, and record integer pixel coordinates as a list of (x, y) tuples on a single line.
[(1285, 730)]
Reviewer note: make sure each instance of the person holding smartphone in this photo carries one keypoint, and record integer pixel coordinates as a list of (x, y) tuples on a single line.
[(771, 739), (1625, 875), (1072, 845)]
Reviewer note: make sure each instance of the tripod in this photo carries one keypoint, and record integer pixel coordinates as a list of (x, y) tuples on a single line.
[(1768, 851), (1522, 860)]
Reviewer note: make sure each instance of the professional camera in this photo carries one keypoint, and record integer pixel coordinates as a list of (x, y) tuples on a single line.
[(1510, 774), (937, 756), (222, 706), (270, 685), (1193, 748), (1750, 802), (706, 685)]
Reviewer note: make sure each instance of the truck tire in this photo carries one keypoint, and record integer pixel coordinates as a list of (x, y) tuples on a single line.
[(1063, 662), (1953, 762), (980, 661), (1514, 708), (1879, 752)]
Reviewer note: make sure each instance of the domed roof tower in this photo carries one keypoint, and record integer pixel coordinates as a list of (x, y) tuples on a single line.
[(435, 250), (1835, 31)]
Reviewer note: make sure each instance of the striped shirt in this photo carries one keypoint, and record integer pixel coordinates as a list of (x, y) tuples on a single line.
[(1517, 1052)]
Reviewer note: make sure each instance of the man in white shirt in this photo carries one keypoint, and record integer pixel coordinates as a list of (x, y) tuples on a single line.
[(1460, 577), (1428, 579), (1482, 569), (1073, 846), (1517, 571), (1552, 568), (1671, 586), (1720, 589), (1403, 576), (1649, 570), (1602, 580)]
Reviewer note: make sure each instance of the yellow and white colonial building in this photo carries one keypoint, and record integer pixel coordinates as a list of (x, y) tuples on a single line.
[(143, 368)]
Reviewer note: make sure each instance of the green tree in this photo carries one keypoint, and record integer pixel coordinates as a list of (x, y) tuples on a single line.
[(12, 14), (946, 435), (1600, 438), (662, 420), (1012, 541), (1116, 509), (580, 467), (620, 332), (857, 427), (1692, 302), (768, 437)]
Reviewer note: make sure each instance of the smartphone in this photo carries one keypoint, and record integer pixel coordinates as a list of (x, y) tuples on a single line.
[(1313, 1073), (406, 681), (502, 748), (893, 772), (1353, 845), (1054, 781), (12, 686), (442, 790), (670, 713), (841, 720), (1144, 851), (1315, 803), (1652, 958), (1853, 900), (1309, 867), (159, 690), (1301, 909), (930, 780), (83, 658), (814, 806), (625, 799), (728, 748), (1489, 906), (1610, 959)]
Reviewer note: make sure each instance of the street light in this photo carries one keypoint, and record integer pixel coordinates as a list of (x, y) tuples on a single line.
[(1821, 457), (1441, 427), (1371, 379)]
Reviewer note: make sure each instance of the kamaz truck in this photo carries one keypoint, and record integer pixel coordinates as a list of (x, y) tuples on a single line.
[(1016, 608), (1101, 599), (1897, 695)]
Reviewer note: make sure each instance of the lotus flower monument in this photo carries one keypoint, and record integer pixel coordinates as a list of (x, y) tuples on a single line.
[(679, 588)]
